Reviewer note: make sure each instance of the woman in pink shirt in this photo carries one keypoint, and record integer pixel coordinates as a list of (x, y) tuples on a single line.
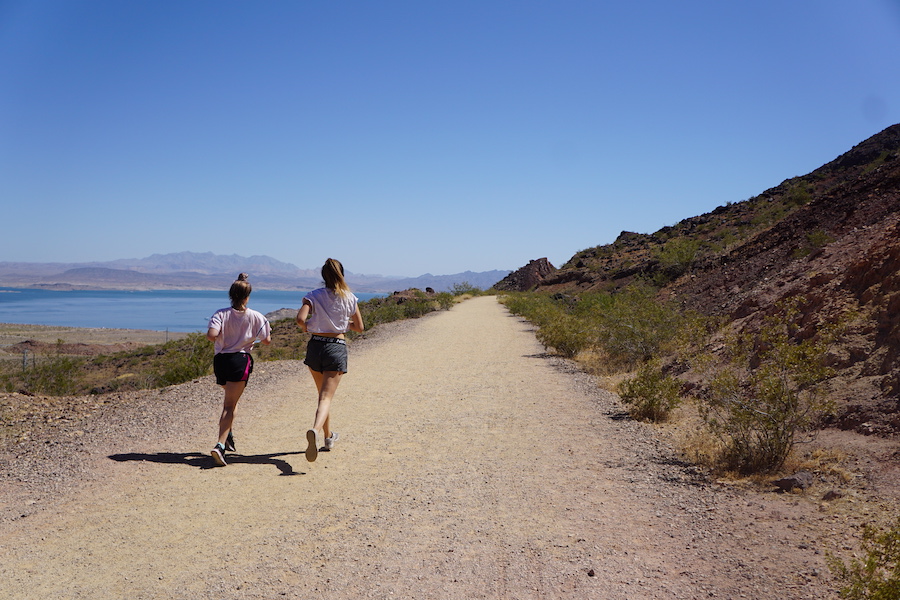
[(234, 330), (327, 313)]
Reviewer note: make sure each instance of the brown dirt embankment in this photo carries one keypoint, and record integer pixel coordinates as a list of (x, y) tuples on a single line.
[(471, 465)]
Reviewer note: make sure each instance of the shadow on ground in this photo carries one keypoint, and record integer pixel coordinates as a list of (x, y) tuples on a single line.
[(205, 461)]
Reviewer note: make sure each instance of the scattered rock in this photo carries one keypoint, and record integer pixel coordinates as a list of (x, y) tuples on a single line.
[(801, 480), (832, 495)]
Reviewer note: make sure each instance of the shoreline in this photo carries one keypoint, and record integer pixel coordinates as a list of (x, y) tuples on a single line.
[(13, 333)]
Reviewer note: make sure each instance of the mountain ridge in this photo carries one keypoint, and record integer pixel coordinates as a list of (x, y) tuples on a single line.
[(206, 270)]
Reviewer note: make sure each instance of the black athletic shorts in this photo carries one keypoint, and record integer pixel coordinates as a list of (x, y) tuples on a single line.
[(232, 366), (326, 354)]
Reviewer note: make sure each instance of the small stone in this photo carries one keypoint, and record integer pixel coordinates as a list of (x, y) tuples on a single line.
[(832, 495)]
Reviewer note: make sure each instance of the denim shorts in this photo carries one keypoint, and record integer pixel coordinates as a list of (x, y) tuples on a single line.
[(326, 354), (232, 366)]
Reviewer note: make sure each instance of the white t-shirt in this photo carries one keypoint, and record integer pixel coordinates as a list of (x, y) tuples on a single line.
[(330, 312), (238, 329)]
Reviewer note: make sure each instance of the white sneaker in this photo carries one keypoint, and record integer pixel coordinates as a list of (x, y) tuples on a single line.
[(312, 445), (329, 441)]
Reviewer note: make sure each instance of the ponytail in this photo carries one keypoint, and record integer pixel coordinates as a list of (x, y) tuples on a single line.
[(240, 292), (333, 274)]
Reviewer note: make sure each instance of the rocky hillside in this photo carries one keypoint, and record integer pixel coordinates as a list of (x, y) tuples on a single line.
[(831, 237), (527, 278)]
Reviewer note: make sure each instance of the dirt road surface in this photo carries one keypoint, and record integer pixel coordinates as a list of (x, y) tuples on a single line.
[(470, 465)]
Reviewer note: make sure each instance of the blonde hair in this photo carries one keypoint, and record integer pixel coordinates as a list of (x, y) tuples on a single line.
[(333, 274), (240, 292)]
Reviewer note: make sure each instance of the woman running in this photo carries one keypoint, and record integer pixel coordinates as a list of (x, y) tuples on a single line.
[(234, 330), (331, 312)]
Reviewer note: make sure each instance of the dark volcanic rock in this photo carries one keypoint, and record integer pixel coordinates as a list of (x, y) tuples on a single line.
[(526, 278)]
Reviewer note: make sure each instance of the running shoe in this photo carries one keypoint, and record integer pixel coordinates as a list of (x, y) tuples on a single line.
[(329, 441), (312, 445), (229, 443), (218, 454)]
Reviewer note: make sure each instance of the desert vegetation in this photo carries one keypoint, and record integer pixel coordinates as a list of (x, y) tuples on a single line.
[(56, 373), (759, 393)]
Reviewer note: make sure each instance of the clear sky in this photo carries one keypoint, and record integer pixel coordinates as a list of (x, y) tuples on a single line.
[(410, 136)]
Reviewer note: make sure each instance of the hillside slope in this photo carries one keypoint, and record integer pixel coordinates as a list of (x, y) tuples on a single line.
[(831, 237)]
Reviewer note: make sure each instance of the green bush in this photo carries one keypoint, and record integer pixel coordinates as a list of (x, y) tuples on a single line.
[(54, 376), (769, 393), (182, 360), (464, 287), (676, 258), (877, 576), (630, 327), (445, 300), (651, 395), (799, 194), (563, 332), (636, 327)]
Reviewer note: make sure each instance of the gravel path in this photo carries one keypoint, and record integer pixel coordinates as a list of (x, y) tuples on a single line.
[(470, 465)]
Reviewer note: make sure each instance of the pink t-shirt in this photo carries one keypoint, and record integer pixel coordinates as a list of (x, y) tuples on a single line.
[(330, 312), (238, 329)]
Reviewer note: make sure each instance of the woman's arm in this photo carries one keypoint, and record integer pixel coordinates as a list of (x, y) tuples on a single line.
[(303, 314), (212, 334), (356, 321)]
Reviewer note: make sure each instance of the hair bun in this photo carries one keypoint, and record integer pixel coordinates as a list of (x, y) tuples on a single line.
[(242, 277)]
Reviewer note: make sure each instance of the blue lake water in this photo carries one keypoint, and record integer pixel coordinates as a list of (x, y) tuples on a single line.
[(175, 310)]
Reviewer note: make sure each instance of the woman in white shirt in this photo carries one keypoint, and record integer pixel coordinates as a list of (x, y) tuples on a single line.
[(234, 330), (327, 313)]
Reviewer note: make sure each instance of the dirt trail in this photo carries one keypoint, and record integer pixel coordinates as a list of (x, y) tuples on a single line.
[(470, 465)]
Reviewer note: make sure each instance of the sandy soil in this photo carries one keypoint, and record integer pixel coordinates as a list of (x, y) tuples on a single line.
[(470, 465)]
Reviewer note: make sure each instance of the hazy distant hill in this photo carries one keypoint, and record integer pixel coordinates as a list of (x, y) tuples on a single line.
[(209, 263), (444, 283), (193, 270)]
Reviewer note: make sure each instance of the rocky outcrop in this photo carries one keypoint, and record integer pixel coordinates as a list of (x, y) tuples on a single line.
[(830, 238), (526, 278)]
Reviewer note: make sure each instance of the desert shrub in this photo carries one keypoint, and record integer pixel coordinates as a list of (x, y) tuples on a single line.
[(769, 393), (814, 239), (629, 327), (445, 300), (54, 375), (380, 310), (523, 304), (182, 360), (877, 576), (464, 287), (413, 309), (819, 238), (651, 394), (676, 258), (563, 332), (558, 327), (635, 326), (386, 310), (798, 194)]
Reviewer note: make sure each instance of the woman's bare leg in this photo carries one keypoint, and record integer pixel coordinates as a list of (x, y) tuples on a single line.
[(326, 384), (233, 391)]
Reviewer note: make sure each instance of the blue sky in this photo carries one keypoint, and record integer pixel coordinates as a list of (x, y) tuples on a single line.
[(410, 136)]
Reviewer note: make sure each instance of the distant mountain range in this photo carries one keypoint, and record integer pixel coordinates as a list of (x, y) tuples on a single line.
[(193, 270)]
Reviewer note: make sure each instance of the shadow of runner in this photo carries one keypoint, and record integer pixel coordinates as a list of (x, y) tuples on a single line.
[(205, 461)]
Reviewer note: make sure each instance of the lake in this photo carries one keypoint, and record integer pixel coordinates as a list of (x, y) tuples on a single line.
[(173, 310)]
